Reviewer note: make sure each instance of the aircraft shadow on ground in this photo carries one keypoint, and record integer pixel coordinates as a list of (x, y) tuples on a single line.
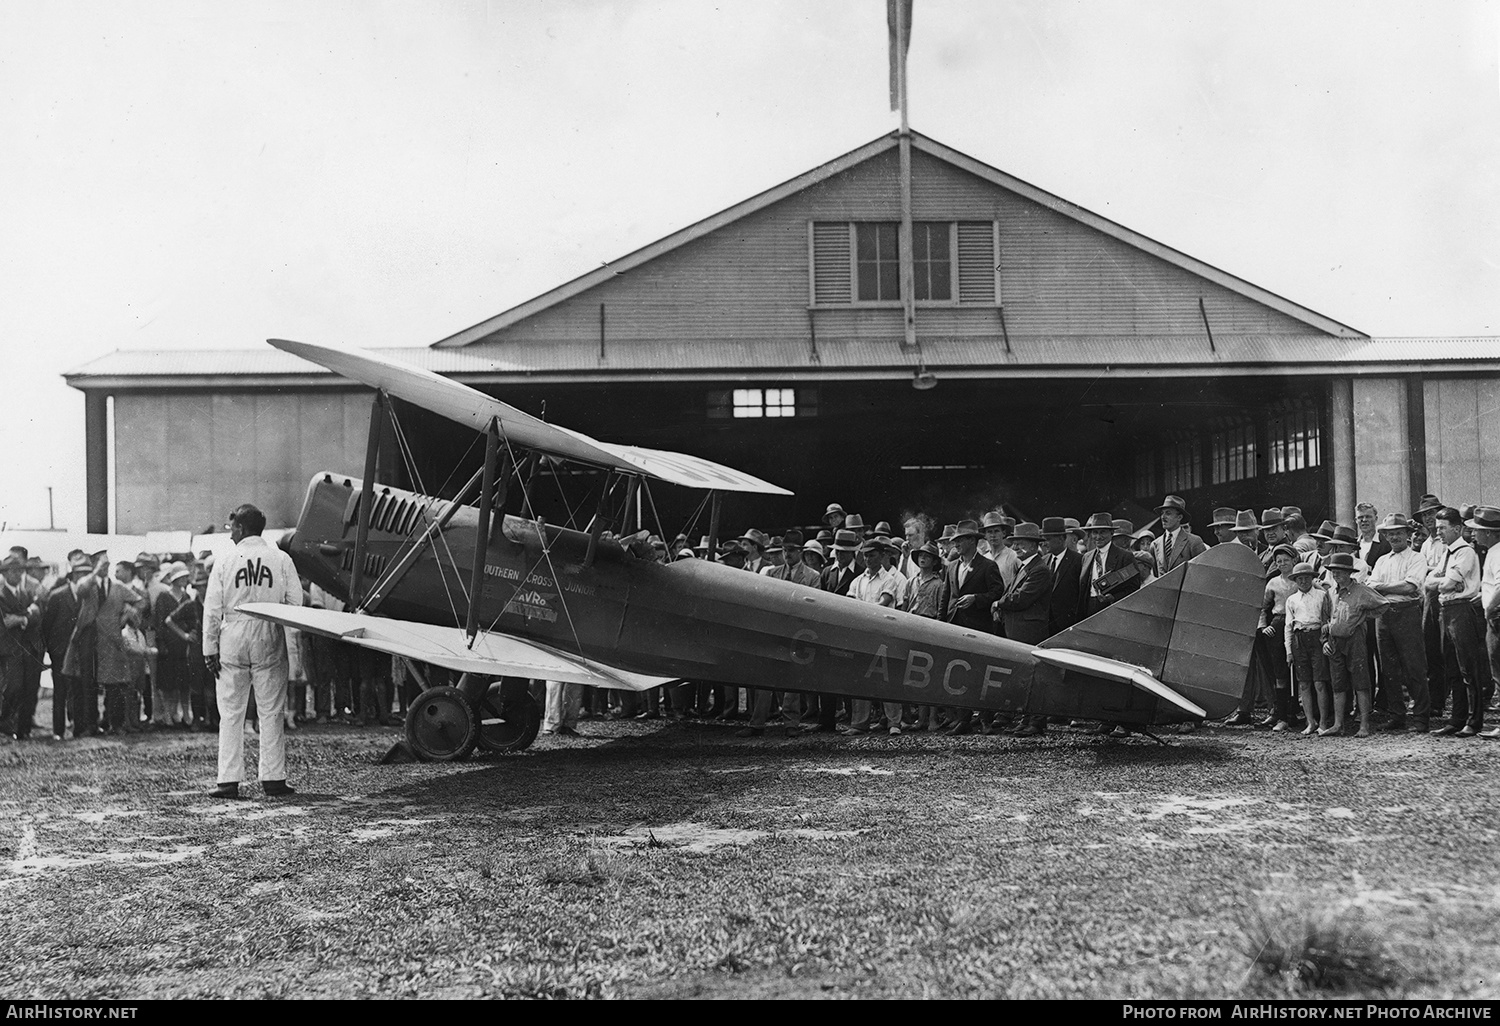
[(684, 769)]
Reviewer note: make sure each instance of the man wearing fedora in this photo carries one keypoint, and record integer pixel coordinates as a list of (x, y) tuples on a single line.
[(974, 585), (1432, 550), (1099, 583), (18, 613), (59, 617), (974, 582), (877, 586), (1066, 566), (1177, 543), (795, 571), (753, 544), (996, 528), (96, 652), (1398, 577), (1023, 607), (1223, 524), (1456, 583), (1272, 531), (1486, 527), (833, 516), (839, 574)]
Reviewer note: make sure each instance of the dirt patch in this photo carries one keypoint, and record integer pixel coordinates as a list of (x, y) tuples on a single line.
[(663, 861), (700, 837)]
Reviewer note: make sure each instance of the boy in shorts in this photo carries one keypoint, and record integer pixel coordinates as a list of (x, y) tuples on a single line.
[(1352, 608), (1307, 611)]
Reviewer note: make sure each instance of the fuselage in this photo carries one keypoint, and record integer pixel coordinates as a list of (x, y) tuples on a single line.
[(693, 619)]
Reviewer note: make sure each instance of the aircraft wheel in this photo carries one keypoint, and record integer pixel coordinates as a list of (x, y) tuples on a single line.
[(508, 720), (441, 725)]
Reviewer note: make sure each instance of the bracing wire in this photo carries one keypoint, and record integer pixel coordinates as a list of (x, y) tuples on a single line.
[(411, 466), (420, 524)]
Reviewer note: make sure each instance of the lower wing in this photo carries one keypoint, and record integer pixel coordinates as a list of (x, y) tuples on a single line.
[(492, 654)]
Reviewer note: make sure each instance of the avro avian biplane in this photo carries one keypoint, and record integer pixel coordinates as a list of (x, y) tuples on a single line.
[(500, 598)]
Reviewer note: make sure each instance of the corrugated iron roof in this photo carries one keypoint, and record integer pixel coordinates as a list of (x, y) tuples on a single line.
[(1273, 353)]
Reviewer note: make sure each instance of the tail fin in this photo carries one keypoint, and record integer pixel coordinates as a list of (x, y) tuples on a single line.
[(1193, 629)]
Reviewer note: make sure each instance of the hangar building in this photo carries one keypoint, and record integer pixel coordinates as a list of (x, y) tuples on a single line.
[(1064, 363)]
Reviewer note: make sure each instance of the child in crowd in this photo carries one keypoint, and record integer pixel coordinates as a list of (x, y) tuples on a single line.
[(126, 712), (1306, 612), (1352, 608), (1273, 629)]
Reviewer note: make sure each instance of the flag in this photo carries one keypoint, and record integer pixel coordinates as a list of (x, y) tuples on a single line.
[(900, 42)]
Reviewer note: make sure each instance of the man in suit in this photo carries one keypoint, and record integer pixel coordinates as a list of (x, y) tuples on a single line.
[(96, 652), (1066, 567), (17, 615), (30, 586), (1024, 606), (1370, 545), (840, 574), (837, 577), (1178, 543), (59, 617), (1103, 559), (974, 585)]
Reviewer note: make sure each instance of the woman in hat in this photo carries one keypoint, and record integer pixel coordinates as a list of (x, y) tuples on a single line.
[(173, 652), (185, 624)]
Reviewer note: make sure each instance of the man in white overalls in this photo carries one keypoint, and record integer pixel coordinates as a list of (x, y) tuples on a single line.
[(242, 652)]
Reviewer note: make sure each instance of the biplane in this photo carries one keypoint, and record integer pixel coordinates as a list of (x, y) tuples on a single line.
[(476, 585)]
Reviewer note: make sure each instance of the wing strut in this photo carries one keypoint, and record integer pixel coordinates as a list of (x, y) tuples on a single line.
[(482, 532), (378, 415), (596, 525), (713, 525)]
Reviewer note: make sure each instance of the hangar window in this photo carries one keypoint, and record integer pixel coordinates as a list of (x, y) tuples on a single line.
[(1182, 466), (1296, 441), (1233, 453), (858, 263), (1145, 473), (762, 403)]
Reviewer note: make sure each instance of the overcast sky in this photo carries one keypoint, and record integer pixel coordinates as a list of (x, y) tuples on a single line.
[(212, 174)]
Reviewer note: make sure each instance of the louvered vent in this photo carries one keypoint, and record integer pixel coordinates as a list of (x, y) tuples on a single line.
[(832, 282), (976, 262)]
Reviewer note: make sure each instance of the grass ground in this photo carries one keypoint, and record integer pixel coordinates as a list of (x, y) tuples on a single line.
[(680, 861)]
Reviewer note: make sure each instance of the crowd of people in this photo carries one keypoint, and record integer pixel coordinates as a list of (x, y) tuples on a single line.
[(1386, 624), (122, 641)]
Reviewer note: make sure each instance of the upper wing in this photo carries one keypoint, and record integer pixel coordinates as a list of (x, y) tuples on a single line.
[(466, 405), (493, 654)]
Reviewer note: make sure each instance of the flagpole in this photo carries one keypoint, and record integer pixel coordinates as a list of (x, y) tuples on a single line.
[(904, 244)]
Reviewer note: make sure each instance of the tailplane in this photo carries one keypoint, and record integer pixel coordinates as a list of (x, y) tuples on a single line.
[(1193, 629)]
